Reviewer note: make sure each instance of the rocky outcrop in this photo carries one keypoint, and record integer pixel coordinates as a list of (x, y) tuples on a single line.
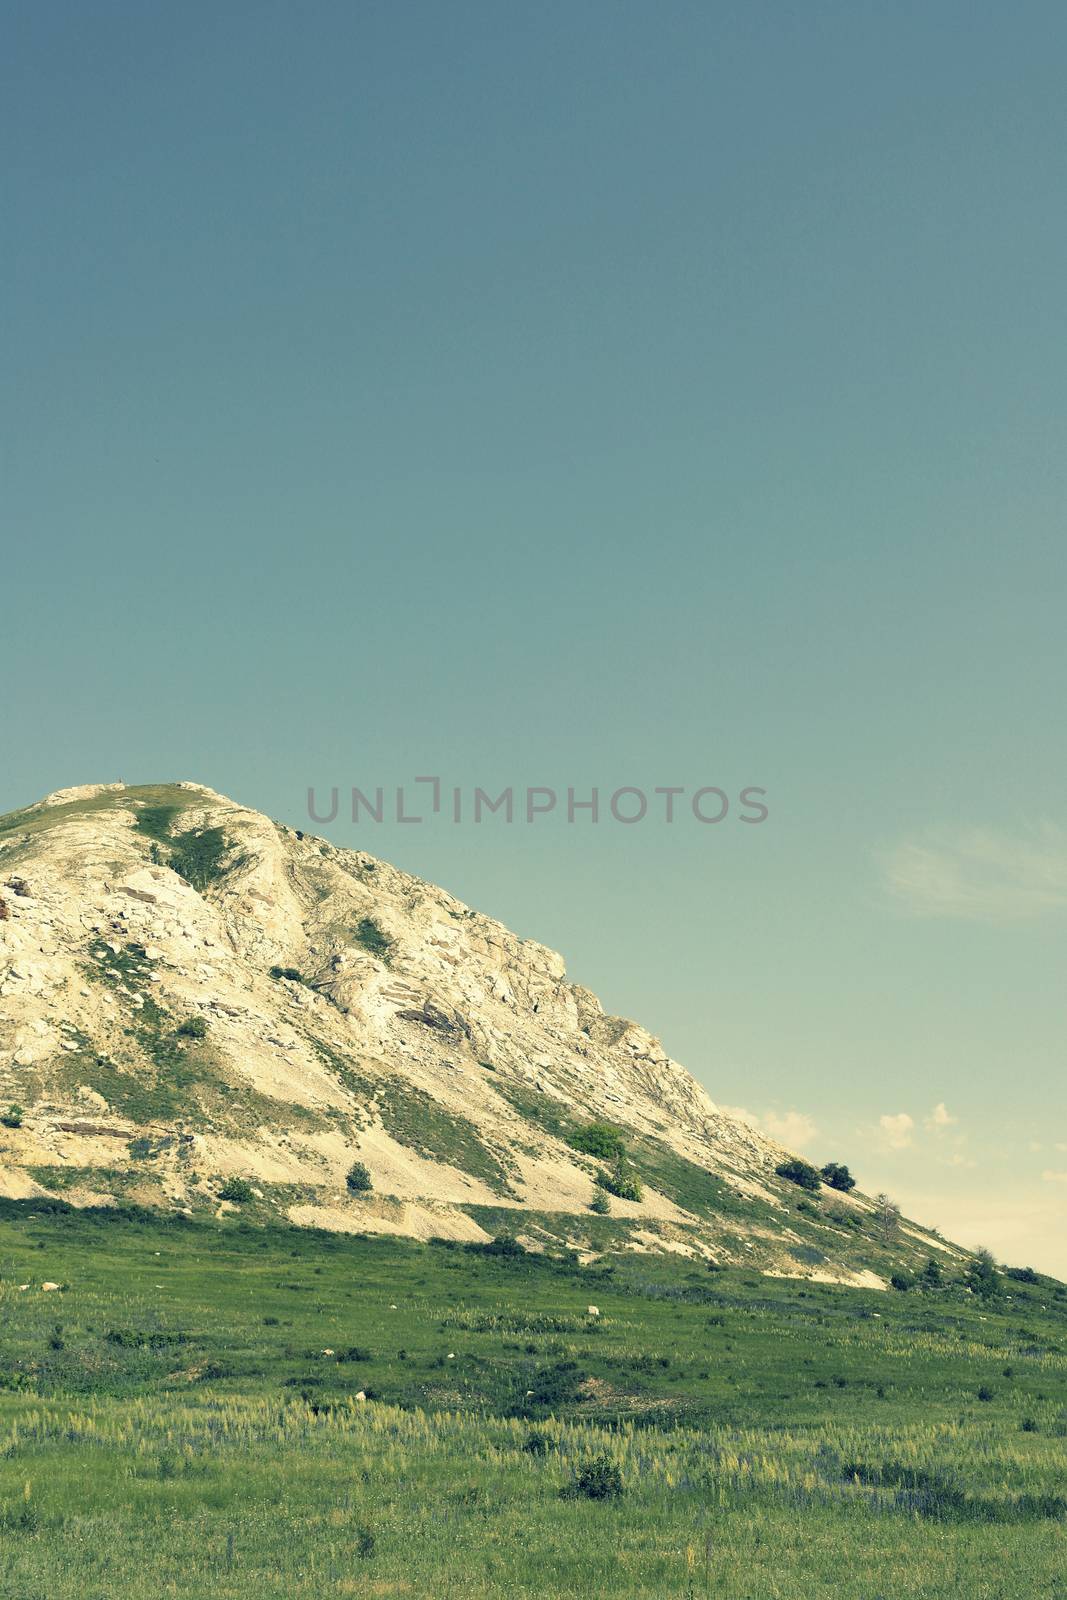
[(227, 995)]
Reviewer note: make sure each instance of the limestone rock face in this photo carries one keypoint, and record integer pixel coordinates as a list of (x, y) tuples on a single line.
[(189, 991)]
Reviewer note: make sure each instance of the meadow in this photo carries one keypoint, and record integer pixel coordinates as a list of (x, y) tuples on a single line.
[(182, 1416)]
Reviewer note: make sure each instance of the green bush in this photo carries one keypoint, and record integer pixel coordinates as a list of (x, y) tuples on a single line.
[(373, 940), (598, 1139), (601, 1205), (902, 1281), (838, 1177), (358, 1178), (237, 1190), (800, 1172), (505, 1244), (12, 1117), (599, 1479), (287, 972), (931, 1276), (192, 1028), (621, 1181), (982, 1276)]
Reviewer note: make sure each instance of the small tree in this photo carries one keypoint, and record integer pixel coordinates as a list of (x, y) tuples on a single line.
[(238, 1190), (12, 1117), (982, 1276), (192, 1028), (359, 1178), (600, 1204), (887, 1215), (800, 1172), (931, 1276), (621, 1181), (838, 1176)]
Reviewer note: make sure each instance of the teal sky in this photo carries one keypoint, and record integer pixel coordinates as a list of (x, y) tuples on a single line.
[(587, 395)]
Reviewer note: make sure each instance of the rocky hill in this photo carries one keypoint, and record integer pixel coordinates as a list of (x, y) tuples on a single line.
[(191, 993)]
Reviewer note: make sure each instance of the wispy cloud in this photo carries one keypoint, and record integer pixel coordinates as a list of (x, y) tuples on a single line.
[(794, 1129), (980, 874), (939, 1119), (897, 1129), (1054, 1177)]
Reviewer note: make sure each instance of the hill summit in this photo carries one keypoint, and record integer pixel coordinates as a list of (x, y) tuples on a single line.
[(200, 1007)]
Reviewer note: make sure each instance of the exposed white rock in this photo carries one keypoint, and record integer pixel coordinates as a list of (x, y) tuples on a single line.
[(419, 1036)]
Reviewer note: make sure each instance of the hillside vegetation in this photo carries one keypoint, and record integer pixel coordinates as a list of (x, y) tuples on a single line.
[(182, 1416)]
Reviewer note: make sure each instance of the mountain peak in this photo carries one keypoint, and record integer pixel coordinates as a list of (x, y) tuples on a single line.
[(190, 993)]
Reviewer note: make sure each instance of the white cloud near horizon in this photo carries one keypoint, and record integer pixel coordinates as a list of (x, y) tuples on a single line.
[(939, 1119), (795, 1129), (897, 1129), (980, 874)]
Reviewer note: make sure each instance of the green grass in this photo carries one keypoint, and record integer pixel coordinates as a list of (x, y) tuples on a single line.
[(180, 1419), (415, 1119)]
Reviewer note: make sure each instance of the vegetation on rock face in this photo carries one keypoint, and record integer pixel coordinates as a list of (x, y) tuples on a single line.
[(192, 1028), (237, 1190), (358, 1178), (837, 1176), (799, 1172), (374, 941), (621, 1181), (12, 1117), (598, 1139), (196, 854)]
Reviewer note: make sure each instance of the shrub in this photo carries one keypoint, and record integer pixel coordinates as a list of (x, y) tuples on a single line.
[(358, 1178), (365, 1544), (12, 1117), (287, 972), (1022, 1274), (192, 1028), (599, 1479), (505, 1244), (800, 1172), (598, 1139), (238, 1190), (838, 1176), (621, 1181), (902, 1281), (985, 1392), (982, 1276), (931, 1276), (600, 1204), (1029, 1425), (373, 940)]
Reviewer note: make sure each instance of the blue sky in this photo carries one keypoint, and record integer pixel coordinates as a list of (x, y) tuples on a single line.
[(587, 395)]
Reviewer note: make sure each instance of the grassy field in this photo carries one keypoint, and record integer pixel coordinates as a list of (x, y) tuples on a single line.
[(181, 1417)]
